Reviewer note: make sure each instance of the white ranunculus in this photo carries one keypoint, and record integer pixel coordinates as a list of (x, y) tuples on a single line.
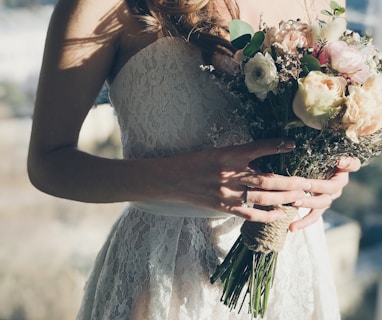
[(261, 75), (319, 97)]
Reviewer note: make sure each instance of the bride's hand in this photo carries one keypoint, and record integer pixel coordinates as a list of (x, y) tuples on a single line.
[(324, 192), (221, 179)]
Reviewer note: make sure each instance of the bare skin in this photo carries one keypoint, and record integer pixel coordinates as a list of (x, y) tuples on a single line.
[(88, 42)]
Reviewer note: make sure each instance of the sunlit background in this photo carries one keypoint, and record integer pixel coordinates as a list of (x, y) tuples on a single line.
[(47, 245)]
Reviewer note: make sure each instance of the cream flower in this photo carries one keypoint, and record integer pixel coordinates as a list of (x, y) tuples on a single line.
[(319, 97), (261, 75), (331, 30), (290, 36), (373, 57), (373, 85), (363, 114)]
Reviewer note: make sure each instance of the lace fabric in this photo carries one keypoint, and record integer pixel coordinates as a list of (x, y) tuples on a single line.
[(157, 267)]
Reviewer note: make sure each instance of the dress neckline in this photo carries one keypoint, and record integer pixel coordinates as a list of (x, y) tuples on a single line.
[(142, 51)]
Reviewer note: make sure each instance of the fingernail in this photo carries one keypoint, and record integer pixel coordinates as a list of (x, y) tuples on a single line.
[(343, 163), (297, 203), (294, 229), (306, 185), (290, 145)]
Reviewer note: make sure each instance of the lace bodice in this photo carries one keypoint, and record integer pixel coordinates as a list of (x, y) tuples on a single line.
[(167, 105), (156, 266)]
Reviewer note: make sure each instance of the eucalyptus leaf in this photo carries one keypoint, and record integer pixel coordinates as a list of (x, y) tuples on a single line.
[(240, 42), (337, 9), (327, 13), (311, 63), (334, 5), (255, 44), (240, 33)]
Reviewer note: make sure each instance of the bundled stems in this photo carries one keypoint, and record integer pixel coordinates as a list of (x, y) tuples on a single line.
[(243, 267), (249, 267)]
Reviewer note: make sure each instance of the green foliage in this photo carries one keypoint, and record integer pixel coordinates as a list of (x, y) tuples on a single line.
[(337, 10), (309, 63), (242, 36), (254, 45), (240, 33)]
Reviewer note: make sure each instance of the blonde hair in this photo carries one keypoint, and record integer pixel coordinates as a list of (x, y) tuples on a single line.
[(196, 20)]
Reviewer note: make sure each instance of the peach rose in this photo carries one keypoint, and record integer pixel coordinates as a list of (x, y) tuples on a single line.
[(373, 85), (290, 36), (319, 97), (363, 114)]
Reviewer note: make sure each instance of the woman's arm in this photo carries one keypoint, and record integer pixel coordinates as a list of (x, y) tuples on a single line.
[(80, 53)]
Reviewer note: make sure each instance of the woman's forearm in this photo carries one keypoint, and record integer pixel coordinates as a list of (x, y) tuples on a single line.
[(72, 174)]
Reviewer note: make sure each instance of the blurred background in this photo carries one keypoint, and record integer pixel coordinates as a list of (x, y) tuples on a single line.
[(47, 245)]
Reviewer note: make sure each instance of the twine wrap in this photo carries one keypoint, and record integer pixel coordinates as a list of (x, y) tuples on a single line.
[(268, 237)]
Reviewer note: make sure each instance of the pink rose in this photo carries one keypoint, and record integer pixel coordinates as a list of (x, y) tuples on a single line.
[(347, 60), (290, 36), (363, 114)]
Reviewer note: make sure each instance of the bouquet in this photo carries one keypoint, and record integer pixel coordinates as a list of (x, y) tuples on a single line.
[(319, 84)]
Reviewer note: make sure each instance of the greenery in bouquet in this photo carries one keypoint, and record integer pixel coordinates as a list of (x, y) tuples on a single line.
[(319, 84)]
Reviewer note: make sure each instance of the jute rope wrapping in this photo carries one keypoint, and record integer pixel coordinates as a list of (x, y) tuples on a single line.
[(267, 237)]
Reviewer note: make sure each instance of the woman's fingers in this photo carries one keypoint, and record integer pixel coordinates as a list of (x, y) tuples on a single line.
[(326, 191), (238, 157), (257, 215), (270, 181), (269, 198), (237, 184), (349, 164), (265, 147), (318, 201), (333, 186), (233, 195), (306, 221), (262, 189)]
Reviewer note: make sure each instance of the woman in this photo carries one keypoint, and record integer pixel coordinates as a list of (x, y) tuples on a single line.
[(185, 188)]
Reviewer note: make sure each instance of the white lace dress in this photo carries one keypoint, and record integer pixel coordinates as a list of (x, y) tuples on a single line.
[(156, 262)]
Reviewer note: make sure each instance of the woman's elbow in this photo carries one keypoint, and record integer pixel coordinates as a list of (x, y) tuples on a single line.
[(34, 173), (38, 172)]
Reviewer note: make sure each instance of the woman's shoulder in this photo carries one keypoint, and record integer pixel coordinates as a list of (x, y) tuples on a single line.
[(86, 26), (91, 17)]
